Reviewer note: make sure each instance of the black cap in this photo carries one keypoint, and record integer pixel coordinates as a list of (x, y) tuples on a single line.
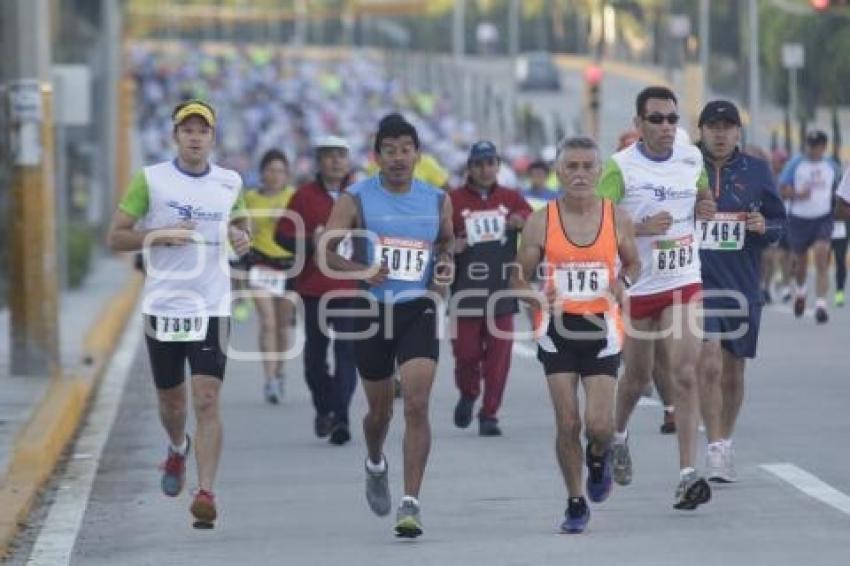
[(483, 150), (816, 137), (720, 110)]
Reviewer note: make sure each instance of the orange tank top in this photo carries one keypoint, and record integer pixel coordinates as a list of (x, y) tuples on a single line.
[(584, 276)]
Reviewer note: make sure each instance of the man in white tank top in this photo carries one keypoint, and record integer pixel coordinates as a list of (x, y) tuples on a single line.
[(664, 187), (182, 213)]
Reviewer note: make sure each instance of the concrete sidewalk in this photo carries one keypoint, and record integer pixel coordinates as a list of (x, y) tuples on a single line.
[(38, 415)]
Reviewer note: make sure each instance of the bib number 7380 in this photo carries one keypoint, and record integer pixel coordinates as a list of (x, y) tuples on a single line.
[(181, 329)]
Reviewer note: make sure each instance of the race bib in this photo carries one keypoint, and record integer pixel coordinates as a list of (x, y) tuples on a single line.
[(181, 329), (406, 259), (581, 281), (345, 248), (726, 231), (267, 279), (485, 226), (672, 257), (839, 230)]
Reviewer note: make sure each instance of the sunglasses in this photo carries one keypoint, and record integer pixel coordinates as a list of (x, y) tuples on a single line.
[(657, 119)]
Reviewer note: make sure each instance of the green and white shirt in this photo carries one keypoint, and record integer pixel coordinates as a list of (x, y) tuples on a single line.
[(190, 280), (643, 187)]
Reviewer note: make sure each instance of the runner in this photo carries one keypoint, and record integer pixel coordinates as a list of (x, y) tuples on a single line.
[(487, 221), (842, 215), (538, 194), (578, 240), (750, 217), (178, 212), (662, 185), (269, 263), (409, 245), (331, 393), (808, 182), (661, 361)]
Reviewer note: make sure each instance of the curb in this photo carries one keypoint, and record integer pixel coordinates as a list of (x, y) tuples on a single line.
[(55, 419)]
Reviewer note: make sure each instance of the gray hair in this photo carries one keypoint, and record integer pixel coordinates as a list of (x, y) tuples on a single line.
[(576, 142)]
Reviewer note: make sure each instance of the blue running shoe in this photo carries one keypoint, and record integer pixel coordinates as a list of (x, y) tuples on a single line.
[(600, 475), (576, 516)]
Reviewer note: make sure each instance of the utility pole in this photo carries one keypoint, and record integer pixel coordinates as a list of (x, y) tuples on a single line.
[(27, 96), (513, 29), (704, 46), (754, 75), (459, 30)]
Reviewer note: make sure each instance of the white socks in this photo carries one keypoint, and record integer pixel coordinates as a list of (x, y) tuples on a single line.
[(411, 499), (182, 448), (376, 468), (620, 437), (684, 472)]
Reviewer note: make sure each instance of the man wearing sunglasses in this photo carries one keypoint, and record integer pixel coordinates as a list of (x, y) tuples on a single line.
[(751, 216), (663, 186)]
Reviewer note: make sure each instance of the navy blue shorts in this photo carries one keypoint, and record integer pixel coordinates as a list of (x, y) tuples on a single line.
[(737, 333), (804, 232)]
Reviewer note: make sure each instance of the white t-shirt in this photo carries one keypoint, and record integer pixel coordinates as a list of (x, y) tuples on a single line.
[(644, 187), (817, 176), (194, 279)]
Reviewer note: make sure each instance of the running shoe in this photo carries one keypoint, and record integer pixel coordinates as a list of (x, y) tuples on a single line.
[(668, 426), (821, 316), (729, 473), (280, 386), (576, 516), (715, 463), (622, 463), (174, 470), (489, 426), (839, 299), (378, 490), (270, 393), (203, 510), (408, 523), (599, 475), (340, 434), (692, 492), (323, 425), (463, 411), (799, 306)]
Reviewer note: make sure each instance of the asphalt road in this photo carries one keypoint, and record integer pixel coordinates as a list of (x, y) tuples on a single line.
[(286, 497)]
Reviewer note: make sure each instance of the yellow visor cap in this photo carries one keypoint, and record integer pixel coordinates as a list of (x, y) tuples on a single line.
[(195, 109)]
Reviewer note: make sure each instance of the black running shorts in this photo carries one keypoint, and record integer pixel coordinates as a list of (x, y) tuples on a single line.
[(205, 357), (586, 355), (406, 333)]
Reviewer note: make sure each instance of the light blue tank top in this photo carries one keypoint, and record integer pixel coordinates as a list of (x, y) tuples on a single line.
[(403, 228)]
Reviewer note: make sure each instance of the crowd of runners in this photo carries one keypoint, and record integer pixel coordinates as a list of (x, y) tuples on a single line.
[(648, 265)]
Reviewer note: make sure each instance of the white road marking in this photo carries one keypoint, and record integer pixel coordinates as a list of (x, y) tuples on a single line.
[(57, 537), (810, 485), (648, 402)]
